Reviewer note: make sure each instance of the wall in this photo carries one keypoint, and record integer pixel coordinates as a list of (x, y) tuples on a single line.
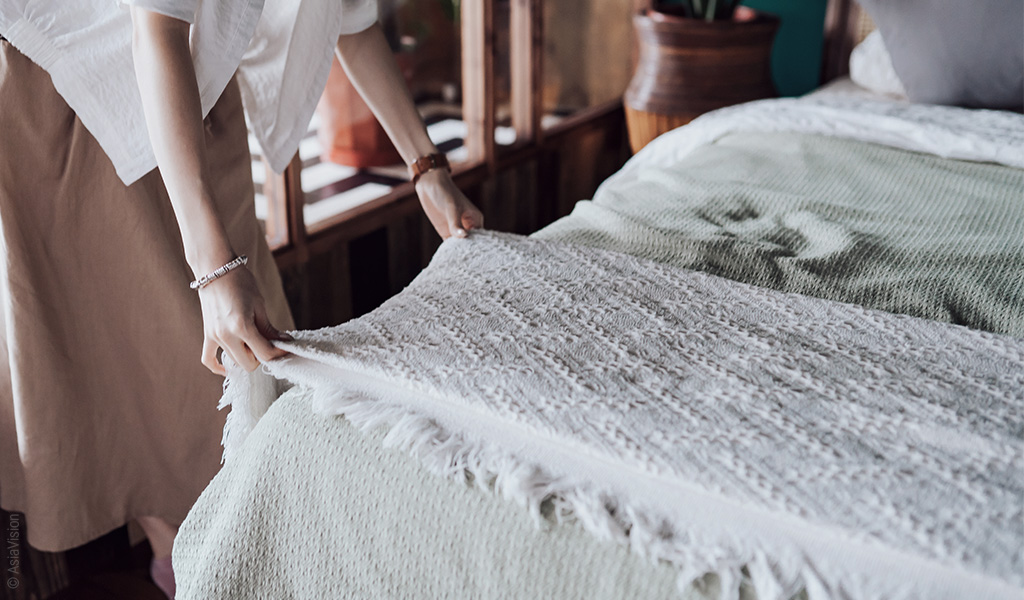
[(588, 52), (796, 56)]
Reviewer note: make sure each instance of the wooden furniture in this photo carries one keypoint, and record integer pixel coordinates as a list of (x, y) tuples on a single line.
[(347, 264), (846, 25), (519, 188), (688, 67)]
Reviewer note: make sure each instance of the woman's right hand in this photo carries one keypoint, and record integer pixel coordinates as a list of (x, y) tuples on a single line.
[(235, 320), (234, 314)]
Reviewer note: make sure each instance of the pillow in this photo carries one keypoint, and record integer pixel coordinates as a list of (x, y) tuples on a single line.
[(965, 53), (871, 67)]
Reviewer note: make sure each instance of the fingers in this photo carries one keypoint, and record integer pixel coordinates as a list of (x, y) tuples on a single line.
[(454, 219), (250, 347), (261, 347), (472, 219), (209, 358), (258, 340), (235, 319), (247, 350), (266, 329), (240, 353)]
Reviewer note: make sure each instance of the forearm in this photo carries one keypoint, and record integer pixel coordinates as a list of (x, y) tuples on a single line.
[(371, 67), (170, 99)]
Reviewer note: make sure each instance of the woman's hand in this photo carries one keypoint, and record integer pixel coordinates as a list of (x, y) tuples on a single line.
[(449, 211), (234, 314), (371, 68), (235, 319)]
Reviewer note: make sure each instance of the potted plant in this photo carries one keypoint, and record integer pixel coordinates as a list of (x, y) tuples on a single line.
[(696, 56)]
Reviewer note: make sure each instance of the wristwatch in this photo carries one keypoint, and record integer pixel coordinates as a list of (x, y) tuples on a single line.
[(428, 163)]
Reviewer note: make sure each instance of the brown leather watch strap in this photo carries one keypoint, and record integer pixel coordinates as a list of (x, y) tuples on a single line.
[(428, 163)]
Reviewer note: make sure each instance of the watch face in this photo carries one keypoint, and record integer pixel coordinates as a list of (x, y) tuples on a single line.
[(427, 163)]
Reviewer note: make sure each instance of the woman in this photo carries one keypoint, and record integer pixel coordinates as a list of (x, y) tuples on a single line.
[(107, 416), (234, 317)]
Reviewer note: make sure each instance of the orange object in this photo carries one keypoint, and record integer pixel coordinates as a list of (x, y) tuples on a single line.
[(349, 133)]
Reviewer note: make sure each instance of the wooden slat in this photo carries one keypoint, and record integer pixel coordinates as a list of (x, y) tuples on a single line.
[(478, 80), (402, 202), (526, 25), (276, 223), (842, 18), (598, 116), (295, 199), (403, 236), (340, 285)]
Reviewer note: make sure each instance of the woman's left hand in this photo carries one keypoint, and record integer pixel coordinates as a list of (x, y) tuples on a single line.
[(370, 65), (449, 210)]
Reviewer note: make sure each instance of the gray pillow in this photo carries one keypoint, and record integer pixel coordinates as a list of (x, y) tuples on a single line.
[(959, 52)]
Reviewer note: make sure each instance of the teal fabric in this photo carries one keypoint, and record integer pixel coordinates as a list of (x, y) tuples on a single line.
[(797, 52)]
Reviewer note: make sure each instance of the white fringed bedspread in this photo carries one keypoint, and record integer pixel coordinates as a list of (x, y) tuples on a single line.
[(708, 423)]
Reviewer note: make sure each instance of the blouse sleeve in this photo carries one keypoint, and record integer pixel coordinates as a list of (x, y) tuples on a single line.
[(184, 10), (357, 15)]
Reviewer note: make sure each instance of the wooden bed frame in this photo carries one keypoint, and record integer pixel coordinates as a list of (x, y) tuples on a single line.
[(846, 25)]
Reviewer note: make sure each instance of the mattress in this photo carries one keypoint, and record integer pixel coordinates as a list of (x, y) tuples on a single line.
[(315, 508)]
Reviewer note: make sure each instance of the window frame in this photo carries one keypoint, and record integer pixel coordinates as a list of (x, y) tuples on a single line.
[(293, 243)]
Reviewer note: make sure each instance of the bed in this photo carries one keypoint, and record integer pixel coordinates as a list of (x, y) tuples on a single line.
[(853, 414)]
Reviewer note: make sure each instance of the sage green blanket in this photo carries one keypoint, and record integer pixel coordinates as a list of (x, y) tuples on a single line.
[(885, 228), (316, 509)]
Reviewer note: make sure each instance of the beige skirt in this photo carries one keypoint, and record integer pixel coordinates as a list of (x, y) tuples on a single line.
[(106, 413)]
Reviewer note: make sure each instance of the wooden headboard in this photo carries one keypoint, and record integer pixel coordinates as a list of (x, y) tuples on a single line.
[(846, 25)]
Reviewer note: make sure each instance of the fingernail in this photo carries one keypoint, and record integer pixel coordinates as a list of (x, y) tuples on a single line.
[(460, 233), (284, 337)]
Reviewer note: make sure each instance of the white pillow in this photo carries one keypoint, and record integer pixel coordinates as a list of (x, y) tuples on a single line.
[(871, 67)]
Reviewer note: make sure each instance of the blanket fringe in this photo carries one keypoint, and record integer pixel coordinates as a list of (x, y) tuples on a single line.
[(249, 395), (727, 567), (730, 569)]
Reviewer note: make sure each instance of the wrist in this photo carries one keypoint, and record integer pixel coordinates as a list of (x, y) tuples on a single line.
[(207, 259), (236, 263), (429, 163), (433, 177), (204, 238)]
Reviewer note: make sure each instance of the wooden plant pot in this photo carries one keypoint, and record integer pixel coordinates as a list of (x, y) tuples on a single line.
[(688, 67)]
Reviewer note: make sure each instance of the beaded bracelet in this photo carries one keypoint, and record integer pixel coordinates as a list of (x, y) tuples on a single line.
[(207, 279)]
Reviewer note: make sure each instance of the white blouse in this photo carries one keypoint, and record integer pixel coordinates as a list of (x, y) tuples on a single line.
[(281, 50)]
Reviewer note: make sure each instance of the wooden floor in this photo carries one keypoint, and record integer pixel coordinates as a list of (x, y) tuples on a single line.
[(122, 582), (107, 568)]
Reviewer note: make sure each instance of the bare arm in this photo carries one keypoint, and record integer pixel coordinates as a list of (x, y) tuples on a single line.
[(371, 68), (170, 97), (234, 316)]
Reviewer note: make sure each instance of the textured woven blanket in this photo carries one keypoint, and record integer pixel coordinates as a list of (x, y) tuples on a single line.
[(712, 424), (747, 193)]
